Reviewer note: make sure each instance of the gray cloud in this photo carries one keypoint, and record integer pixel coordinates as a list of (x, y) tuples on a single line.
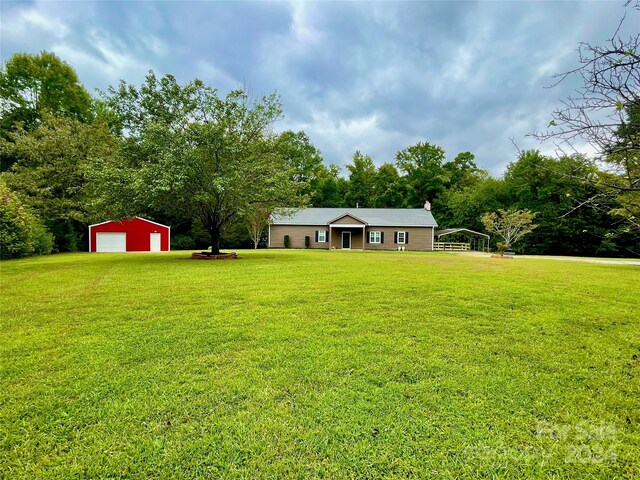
[(371, 76)]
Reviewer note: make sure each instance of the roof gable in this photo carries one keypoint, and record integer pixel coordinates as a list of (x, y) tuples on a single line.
[(123, 220), (347, 218)]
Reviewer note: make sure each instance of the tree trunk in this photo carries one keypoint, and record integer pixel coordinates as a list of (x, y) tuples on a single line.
[(215, 241)]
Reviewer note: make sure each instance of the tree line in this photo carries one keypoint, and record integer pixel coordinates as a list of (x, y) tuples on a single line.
[(207, 164)]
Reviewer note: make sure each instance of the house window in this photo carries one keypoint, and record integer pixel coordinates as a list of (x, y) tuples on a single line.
[(322, 236), (402, 238), (375, 237)]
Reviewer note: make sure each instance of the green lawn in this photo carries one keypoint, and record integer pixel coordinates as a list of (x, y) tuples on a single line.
[(317, 364)]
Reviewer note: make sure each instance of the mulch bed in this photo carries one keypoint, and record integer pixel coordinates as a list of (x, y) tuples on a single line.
[(211, 256), (504, 257)]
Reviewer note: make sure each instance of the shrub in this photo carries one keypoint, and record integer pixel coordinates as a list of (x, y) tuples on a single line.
[(64, 236), (41, 238), (286, 241), (182, 242), (21, 233), (307, 241)]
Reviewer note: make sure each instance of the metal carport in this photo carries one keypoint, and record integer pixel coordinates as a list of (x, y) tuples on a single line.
[(477, 236)]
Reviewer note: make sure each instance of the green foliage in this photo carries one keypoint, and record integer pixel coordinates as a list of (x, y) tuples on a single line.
[(423, 165), (54, 163), (182, 242), (53, 169), (462, 171), (189, 152), (257, 217), (156, 366), (390, 189), (621, 183), (463, 208), (204, 163), (307, 241), (35, 85), (21, 233), (510, 225), (362, 174), (329, 189), (303, 158), (555, 188), (604, 111), (65, 236)]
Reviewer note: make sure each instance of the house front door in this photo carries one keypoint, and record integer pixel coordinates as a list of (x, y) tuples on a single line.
[(346, 240)]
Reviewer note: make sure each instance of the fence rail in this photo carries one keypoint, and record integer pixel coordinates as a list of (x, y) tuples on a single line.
[(458, 247)]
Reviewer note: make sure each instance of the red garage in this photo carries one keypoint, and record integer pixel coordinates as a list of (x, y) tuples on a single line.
[(129, 235)]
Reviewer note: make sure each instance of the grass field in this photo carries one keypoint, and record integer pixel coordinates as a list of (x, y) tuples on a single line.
[(316, 364)]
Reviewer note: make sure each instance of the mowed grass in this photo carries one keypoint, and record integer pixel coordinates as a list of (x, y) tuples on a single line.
[(317, 364)]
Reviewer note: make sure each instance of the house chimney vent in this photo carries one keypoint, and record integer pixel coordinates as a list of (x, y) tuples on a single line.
[(427, 206)]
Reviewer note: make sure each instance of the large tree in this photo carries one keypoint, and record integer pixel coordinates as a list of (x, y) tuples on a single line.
[(390, 189), (186, 149), (329, 188), (52, 172), (362, 174), (462, 171), (423, 165), (304, 160), (33, 85), (603, 112)]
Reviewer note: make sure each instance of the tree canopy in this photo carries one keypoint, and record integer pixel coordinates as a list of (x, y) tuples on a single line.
[(214, 165), (605, 113), (34, 85), (188, 150), (510, 225)]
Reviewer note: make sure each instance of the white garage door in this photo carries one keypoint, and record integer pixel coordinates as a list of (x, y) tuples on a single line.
[(111, 242)]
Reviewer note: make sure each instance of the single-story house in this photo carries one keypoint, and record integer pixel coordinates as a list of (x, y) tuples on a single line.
[(129, 235), (355, 228)]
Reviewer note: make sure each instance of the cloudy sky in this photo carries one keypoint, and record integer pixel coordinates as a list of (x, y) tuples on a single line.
[(370, 76)]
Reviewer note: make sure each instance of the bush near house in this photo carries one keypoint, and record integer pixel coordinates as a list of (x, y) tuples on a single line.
[(21, 232), (182, 242)]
